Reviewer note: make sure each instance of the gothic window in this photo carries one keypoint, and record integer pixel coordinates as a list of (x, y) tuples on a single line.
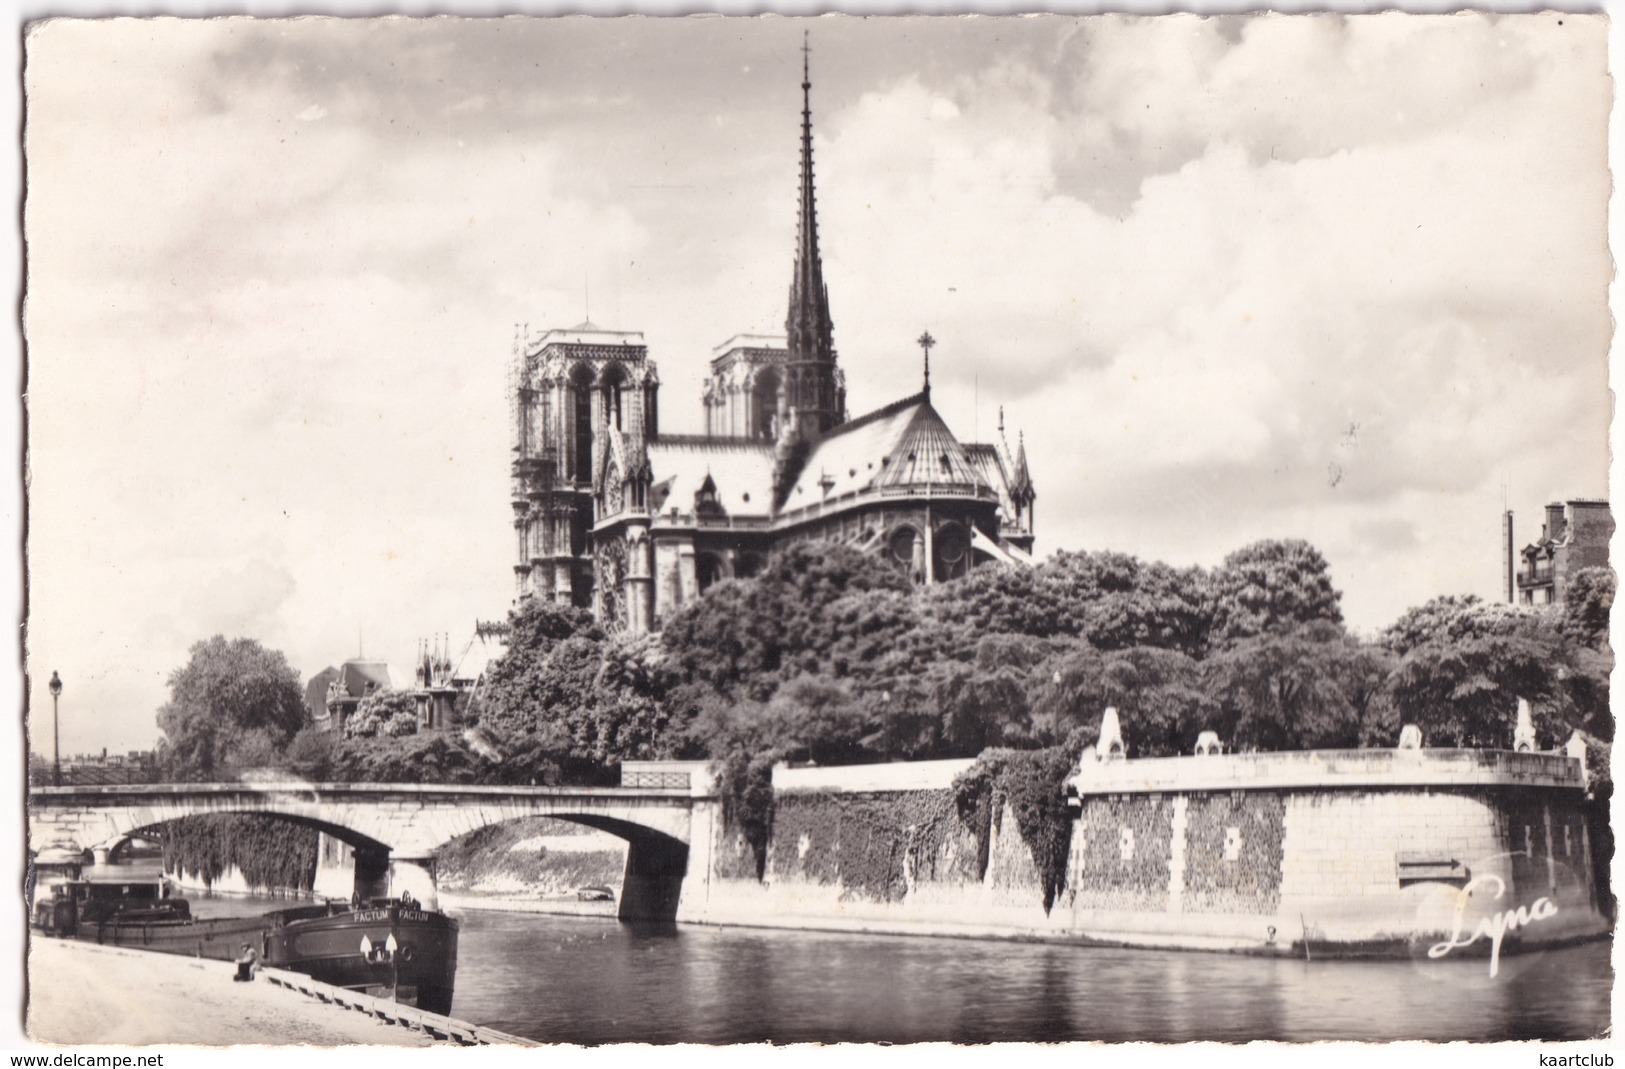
[(765, 404), (902, 546), (581, 410), (951, 547), (707, 570), (578, 533), (614, 381)]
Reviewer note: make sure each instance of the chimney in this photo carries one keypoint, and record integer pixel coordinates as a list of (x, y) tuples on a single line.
[(1511, 556), (1555, 523)]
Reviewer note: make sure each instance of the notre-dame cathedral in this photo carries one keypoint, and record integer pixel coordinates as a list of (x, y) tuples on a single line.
[(612, 514)]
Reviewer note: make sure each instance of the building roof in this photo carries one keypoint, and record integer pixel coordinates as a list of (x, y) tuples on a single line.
[(905, 444), (741, 469), (316, 691), (986, 458), (354, 675), (751, 341), (587, 333)]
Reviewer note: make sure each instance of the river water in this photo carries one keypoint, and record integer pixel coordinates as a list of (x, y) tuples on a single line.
[(590, 980), (593, 980)]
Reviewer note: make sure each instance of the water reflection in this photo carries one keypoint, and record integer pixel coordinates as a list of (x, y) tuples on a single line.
[(588, 980)]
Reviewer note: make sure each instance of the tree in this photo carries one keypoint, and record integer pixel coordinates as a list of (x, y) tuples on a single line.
[(432, 757), (1161, 698), (1587, 604), (1271, 588), (1453, 618), (391, 713), (233, 701), (310, 754), (987, 701), (511, 697), (1463, 665), (1117, 601), (628, 716), (813, 718), (1310, 689), (745, 637), (1113, 600)]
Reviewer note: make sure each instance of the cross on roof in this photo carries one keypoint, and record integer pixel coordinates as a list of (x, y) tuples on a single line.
[(925, 341)]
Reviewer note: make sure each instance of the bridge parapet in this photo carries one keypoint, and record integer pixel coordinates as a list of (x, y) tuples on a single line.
[(416, 817), (695, 777), (400, 827)]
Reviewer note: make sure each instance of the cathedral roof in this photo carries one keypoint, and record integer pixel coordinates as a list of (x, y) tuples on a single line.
[(741, 470), (905, 444), (356, 675)]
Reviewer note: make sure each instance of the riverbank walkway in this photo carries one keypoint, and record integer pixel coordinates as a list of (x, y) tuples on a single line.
[(80, 994)]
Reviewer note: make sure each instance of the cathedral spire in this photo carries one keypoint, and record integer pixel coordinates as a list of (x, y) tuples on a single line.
[(811, 386)]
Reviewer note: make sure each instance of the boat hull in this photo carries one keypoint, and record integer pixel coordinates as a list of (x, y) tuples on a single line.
[(410, 953)]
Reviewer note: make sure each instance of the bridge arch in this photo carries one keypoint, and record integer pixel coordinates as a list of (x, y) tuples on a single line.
[(397, 828), (656, 861)]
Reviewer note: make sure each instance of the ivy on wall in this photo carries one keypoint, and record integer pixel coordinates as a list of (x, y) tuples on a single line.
[(271, 854), (1033, 784), (1249, 882), (874, 845), (1124, 852)]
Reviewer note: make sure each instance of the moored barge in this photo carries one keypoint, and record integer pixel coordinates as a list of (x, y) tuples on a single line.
[(383, 946)]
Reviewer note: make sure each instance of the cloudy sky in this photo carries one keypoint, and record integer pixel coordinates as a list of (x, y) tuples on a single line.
[(1338, 278)]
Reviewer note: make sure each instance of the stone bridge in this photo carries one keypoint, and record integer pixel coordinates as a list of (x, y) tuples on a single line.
[(666, 811)]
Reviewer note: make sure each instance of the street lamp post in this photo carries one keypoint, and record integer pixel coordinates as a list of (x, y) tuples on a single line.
[(56, 732)]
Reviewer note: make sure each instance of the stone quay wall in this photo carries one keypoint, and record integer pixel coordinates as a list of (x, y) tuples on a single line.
[(1320, 853)]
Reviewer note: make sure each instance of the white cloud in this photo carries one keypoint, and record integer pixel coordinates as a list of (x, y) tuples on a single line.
[(1330, 278)]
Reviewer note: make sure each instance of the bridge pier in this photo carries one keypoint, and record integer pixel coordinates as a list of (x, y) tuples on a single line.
[(703, 831), (655, 866), (371, 872)]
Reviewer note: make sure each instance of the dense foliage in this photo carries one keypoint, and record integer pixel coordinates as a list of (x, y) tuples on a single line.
[(271, 854), (872, 845), (832, 656), (390, 713), (233, 704), (1032, 785)]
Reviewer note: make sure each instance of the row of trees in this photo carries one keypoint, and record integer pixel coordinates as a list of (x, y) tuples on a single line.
[(832, 656)]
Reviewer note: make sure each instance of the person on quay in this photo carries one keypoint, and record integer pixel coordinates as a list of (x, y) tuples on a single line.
[(247, 959)]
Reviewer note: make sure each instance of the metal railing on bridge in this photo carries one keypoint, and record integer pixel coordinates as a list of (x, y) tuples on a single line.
[(96, 776), (658, 775)]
